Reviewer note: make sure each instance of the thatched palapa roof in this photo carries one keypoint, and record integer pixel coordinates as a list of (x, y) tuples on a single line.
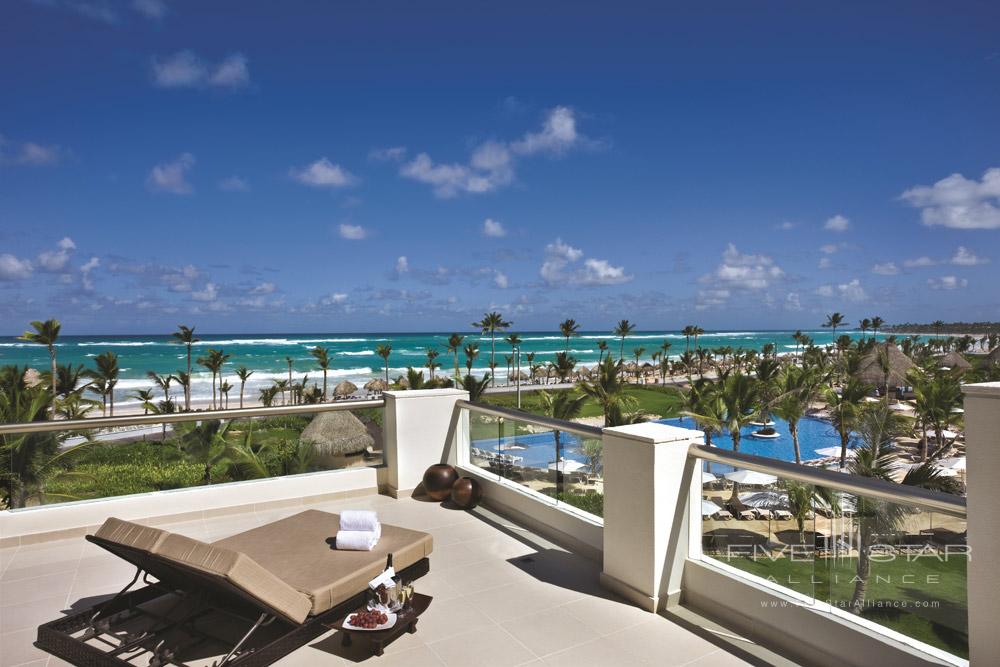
[(345, 388), (954, 360), (871, 370)]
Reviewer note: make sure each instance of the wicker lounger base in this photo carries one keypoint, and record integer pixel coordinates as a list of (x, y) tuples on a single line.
[(115, 640)]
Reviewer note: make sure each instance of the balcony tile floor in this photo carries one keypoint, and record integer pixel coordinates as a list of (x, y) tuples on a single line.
[(502, 596)]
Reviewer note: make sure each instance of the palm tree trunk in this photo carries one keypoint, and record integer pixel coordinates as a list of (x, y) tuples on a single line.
[(844, 437), (111, 395), (55, 380), (324, 385), (187, 387), (794, 428), (493, 351), (242, 385), (864, 572)]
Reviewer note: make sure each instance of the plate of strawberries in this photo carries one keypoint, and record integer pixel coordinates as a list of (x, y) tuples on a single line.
[(370, 620)]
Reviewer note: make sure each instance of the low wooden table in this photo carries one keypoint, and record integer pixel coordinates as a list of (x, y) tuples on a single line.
[(406, 621)]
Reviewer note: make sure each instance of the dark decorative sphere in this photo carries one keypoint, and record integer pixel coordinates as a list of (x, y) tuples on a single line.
[(438, 480), (466, 493)]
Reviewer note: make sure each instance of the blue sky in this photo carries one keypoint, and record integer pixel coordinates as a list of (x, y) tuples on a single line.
[(393, 166)]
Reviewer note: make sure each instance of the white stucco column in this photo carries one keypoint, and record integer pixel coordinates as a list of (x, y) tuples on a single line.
[(982, 438), (419, 431), (647, 509)]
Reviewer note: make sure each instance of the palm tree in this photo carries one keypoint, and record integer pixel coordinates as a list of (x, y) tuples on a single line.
[(206, 444), (214, 362), (144, 396), (322, 357), (833, 321), (798, 338), (938, 325), (244, 373), (696, 331), (602, 345), (864, 325), (938, 395), (638, 352), (622, 331), (475, 387), (877, 323), (798, 388), (471, 352), (564, 365), (224, 389), (106, 377), (610, 393), (454, 345), (567, 407), (569, 328), (162, 382), (289, 361), (46, 333), (414, 378), (877, 427), (844, 409), (281, 386), (740, 395), (184, 380), (384, 351), (185, 336), (703, 402), (431, 364), (492, 323), (687, 332)]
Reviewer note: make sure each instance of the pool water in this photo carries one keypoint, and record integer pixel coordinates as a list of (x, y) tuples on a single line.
[(539, 448)]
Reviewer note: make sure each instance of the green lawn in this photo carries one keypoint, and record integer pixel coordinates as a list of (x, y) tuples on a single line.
[(941, 584), (660, 401)]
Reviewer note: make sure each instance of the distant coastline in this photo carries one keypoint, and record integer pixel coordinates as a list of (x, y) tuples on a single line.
[(944, 329)]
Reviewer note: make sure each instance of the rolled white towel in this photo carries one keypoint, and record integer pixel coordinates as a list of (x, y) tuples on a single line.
[(364, 520), (357, 540)]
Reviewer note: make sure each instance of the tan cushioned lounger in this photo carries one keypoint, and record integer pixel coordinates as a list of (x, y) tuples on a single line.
[(297, 550), (289, 565)]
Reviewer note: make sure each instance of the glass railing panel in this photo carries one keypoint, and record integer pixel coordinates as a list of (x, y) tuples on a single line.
[(62, 466), (761, 525), (889, 563), (582, 483), (520, 452), (901, 567)]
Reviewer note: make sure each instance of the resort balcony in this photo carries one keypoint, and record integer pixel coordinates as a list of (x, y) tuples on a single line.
[(635, 549)]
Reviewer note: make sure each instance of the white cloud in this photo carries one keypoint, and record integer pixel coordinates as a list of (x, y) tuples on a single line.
[(792, 301), (886, 269), (493, 228), (920, 262), (323, 174), (958, 202), (491, 164), (231, 73), (824, 263), (13, 268), (558, 134), (837, 223), (172, 176), (947, 283), (402, 264), (29, 153), (185, 69), (744, 271), (965, 257), (210, 293), (263, 288), (710, 298), (785, 226), (353, 232), (151, 9), (500, 280), (849, 291), (388, 154), (234, 184), (333, 299), (561, 268), (54, 261), (829, 248), (85, 270)]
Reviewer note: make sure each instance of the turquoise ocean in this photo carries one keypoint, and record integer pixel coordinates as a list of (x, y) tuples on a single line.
[(353, 355)]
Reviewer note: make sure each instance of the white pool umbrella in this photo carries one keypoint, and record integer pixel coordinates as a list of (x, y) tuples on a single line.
[(566, 465), (708, 508), (751, 477), (835, 451), (708, 478), (765, 500)]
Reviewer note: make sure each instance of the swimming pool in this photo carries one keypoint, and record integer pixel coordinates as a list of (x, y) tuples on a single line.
[(539, 448)]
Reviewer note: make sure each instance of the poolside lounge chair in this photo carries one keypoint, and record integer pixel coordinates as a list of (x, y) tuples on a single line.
[(783, 515), (253, 597)]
